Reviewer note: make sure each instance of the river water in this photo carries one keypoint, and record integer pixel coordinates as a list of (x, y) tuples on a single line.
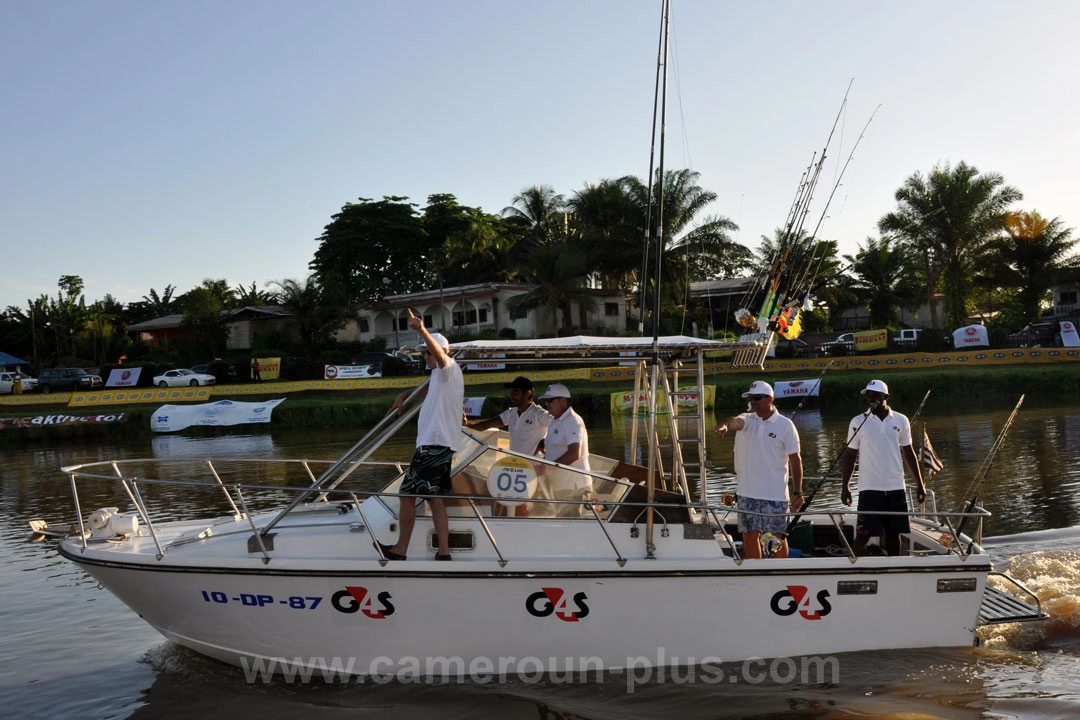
[(70, 650)]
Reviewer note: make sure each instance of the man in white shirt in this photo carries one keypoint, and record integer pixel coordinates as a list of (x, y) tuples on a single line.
[(767, 452), (567, 444), (526, 421), (880, 439), (437, 436)]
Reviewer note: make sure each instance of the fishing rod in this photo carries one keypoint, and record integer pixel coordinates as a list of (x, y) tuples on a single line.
[(817, 383), (984, 471), (829, 470), (918, 411)]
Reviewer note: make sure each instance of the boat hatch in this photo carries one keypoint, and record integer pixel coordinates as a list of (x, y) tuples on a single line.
[(1000, 607)]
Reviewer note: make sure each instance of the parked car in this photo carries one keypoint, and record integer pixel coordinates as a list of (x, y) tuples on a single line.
[(7, 381), (61, 379), (182, 377), (1039, 334), (842, 345), (381, 364)]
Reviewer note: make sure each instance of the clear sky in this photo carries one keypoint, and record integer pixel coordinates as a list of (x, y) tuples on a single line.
[(154, 143)]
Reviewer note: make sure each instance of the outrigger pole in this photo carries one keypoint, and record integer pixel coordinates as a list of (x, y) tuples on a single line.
[(984, 471)]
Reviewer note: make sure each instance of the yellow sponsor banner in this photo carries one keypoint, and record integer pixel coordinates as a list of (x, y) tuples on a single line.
[(121, 396), (871, 340), (269, 368), (684, 399)]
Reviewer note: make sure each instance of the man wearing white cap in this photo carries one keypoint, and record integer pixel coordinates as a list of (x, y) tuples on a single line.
[(567, 443), (437, 434), (767, 453), (880, 439)]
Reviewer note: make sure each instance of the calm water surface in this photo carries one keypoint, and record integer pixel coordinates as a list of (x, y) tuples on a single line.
[(71, 650)]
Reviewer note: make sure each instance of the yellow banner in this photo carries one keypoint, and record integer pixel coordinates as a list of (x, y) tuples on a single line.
[(871, 340), (685, 398), (269, 368)]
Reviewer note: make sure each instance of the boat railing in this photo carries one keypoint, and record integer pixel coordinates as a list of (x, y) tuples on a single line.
[(245, 499)]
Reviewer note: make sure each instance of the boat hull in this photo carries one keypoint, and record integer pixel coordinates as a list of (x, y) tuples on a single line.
[(423, 617)]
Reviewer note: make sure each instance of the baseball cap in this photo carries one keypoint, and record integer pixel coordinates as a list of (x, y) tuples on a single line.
[(439, 338), (520, 382), (759, 388), (555, 390), (875, 386)]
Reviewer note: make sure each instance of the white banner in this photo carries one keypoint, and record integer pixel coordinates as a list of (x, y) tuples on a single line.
[(797, 388), (485, 365), (474, 406), (970, 336), (1069, 337), (348, 372), (169, 418), (123, 377)]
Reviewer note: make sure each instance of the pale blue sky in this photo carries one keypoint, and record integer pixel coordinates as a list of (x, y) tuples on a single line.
[(154, 143)]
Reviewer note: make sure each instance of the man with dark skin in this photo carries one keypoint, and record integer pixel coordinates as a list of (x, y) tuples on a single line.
[(880, 439)]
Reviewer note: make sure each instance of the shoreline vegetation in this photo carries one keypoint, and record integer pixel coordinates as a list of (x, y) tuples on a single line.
[(989, 387)]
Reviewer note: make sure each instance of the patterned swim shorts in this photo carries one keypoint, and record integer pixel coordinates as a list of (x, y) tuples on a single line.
[(429, 471), (773, 517)]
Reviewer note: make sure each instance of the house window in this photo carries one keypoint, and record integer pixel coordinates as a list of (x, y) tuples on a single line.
[(427, 321), (403, 323), (469, 317), (364, 325), (517, 312), (1067, 298), (611, 309)]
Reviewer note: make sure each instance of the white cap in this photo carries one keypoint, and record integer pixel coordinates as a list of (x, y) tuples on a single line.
[(555, 390), (439, 338), (875, 386), (759, 388)]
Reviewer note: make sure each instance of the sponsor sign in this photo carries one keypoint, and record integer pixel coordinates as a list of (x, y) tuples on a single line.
[(473, 406), (169, 418), (123, 377), (970, 336), (60, 420), (797, 388), (1069, 336), (871, 340), (269, 368), (348, 372), (686, 398)]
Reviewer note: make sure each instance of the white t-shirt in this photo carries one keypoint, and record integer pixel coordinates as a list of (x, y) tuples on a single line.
[(563, 432), (761, 456), (878, 442), (527, 429), (441, 413)]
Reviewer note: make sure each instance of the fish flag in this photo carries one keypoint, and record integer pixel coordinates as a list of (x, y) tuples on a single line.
[(927, 456)]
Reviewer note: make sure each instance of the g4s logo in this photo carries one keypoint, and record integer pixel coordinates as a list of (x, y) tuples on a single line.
[(557, 601), (355, 598), (797, 598)]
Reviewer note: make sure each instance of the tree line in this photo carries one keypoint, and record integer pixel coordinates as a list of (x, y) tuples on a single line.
[(954, 233)]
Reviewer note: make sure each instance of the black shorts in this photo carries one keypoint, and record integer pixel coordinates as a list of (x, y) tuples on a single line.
[(429, 471), (882, 500)]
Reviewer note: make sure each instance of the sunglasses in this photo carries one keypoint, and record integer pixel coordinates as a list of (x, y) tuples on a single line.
[(759, 397)]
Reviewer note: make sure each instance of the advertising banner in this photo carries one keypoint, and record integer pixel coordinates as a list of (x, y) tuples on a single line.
[(474, 406), (269, 368), (871, 340), (169, 418), (123, 377), (797, 388), (970, 336), (348, 372), (623, 402), (1069, 336)]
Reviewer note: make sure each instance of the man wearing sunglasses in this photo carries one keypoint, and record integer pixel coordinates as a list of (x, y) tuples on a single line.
[(767, 454), (880, 439)]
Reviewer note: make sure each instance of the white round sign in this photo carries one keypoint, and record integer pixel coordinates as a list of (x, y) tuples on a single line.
[(512, 480)]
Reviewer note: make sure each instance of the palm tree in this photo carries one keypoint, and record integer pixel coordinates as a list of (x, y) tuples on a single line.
[(252, 297), (1032, 258), (558, 270), (539, 211), (951, 217), (883, 279), (315, 312)]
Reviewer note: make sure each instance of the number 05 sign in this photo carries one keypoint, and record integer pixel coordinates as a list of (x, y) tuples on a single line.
[(512, 480)]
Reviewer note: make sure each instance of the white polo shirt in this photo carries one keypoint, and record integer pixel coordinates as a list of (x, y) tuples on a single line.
[(440, 415), (878, 442), (563, 432), (761, 456), (527, 429)]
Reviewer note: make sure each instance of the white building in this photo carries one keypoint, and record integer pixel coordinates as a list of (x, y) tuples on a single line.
[(482, 307)]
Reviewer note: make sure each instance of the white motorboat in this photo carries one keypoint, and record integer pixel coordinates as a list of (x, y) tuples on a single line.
[(285, 566)]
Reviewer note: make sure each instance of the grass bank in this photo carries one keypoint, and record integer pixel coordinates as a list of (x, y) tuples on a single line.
[(991, 387)]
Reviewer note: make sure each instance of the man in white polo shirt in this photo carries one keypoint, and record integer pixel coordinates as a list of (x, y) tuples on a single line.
[(766, 454), (567, 443), (880, 439)]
